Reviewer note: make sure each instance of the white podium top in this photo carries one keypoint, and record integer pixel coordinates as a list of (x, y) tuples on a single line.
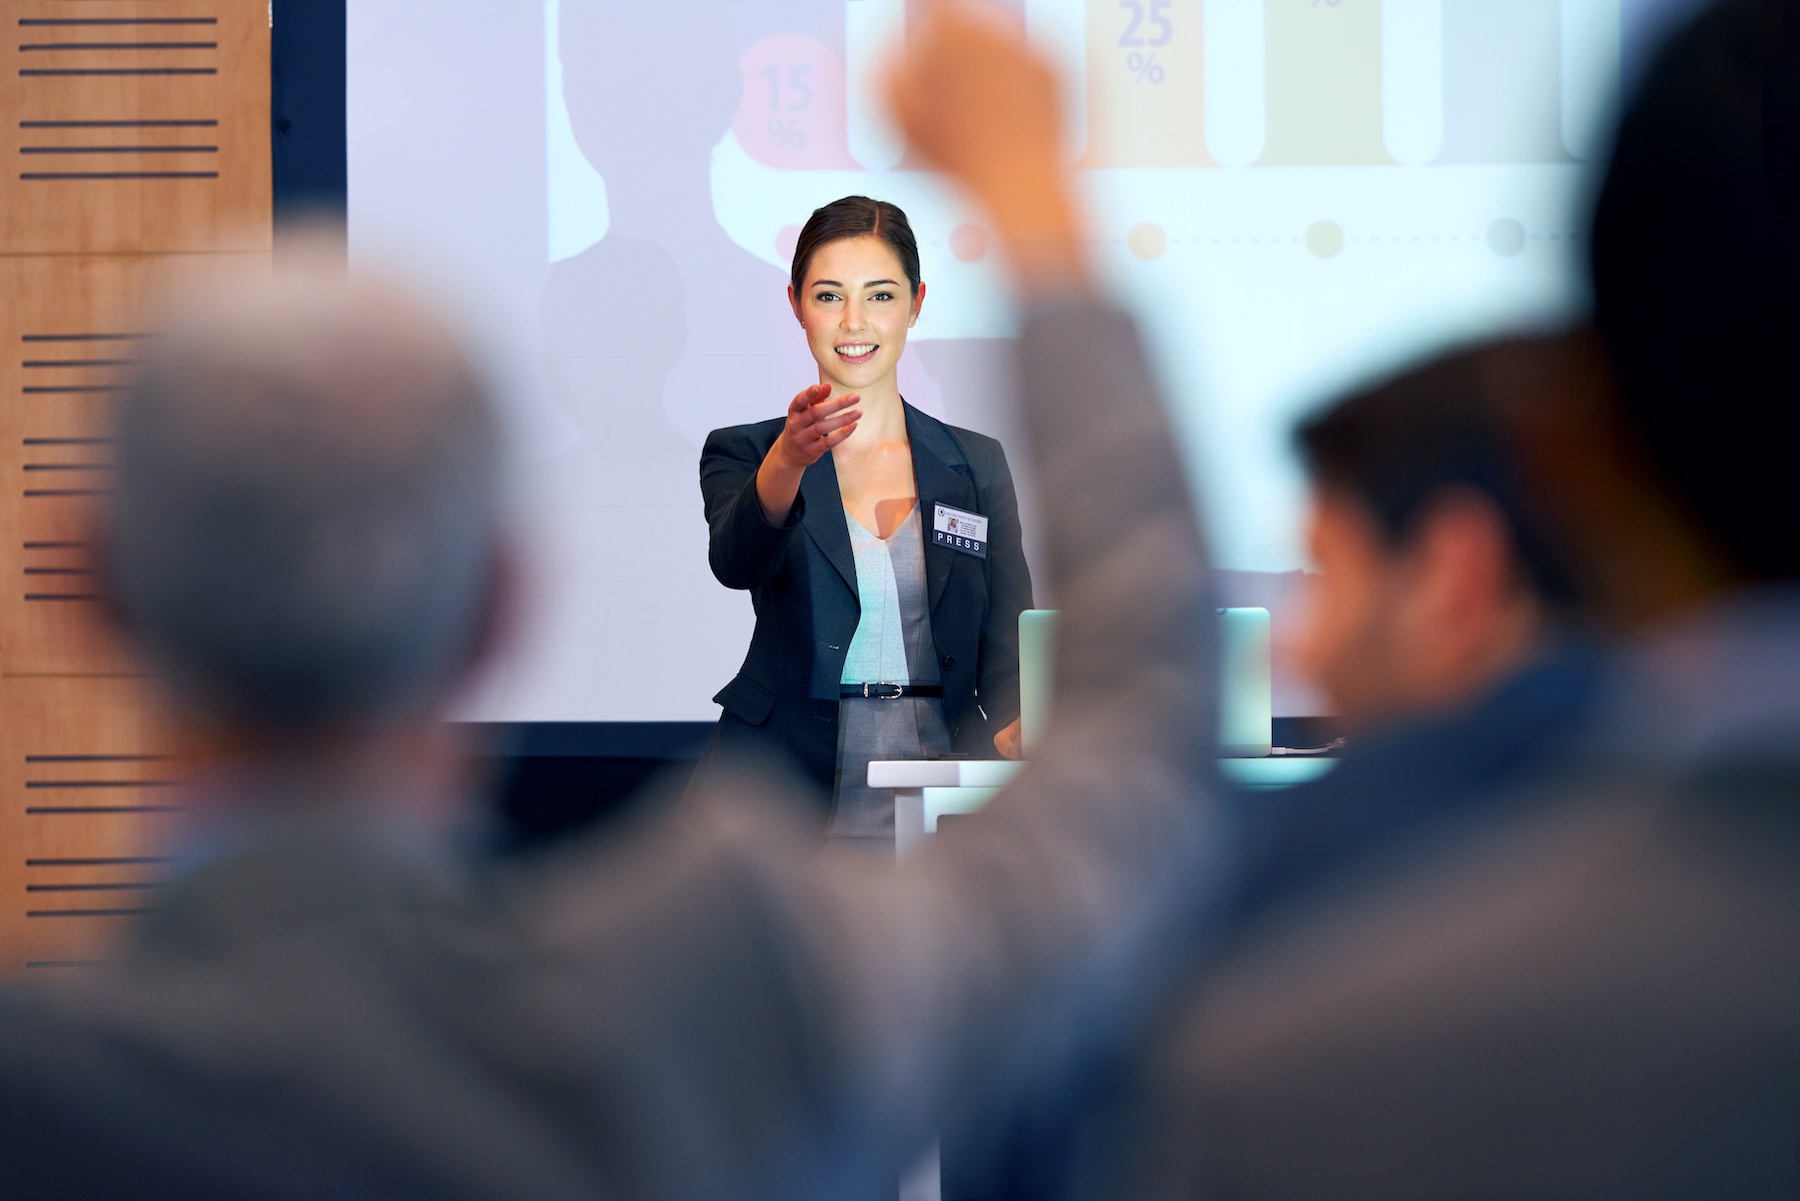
[(942, 773), (1277, 771)]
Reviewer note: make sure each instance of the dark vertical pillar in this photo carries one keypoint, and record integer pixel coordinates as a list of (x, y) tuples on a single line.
[(307, 82)]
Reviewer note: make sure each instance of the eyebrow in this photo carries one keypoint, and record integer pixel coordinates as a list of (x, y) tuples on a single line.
[(874, 283)]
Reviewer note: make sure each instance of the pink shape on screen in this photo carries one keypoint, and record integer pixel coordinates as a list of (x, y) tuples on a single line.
[(791, 115)]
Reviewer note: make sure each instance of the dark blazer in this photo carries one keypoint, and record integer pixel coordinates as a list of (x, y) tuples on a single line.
[(1588, 999), (1396, 792), (801, 577), (1417, 779)]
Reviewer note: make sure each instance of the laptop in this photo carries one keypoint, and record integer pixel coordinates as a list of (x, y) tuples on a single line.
[(1246, 679)]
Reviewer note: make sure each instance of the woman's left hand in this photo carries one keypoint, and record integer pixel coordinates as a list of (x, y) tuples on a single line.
[(1007, 741)]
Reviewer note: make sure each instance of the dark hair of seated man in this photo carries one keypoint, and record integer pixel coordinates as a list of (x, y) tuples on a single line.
[(1438, 575)]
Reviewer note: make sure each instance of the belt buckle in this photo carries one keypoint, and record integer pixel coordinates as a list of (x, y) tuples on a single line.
[(899, 690)]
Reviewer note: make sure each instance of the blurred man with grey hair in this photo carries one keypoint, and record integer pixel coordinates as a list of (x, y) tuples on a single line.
[(306, 543), (304, 536)]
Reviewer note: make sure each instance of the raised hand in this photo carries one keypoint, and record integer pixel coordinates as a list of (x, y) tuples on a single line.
[(979, 105), (816, 424)]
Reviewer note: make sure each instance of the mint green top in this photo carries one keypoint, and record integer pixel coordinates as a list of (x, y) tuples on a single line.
[(892, 643)]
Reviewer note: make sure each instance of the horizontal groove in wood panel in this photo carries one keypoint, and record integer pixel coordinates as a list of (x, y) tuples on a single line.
[(71, 389), (52, 546), (99, 758), (90, 71), (68, 467), (55, 784), (53, 493), (50, 22), (58, 964), (76, 675), (83, 810), (59, 571), (207, 123), (87, 912), (27, 47), (40, 598), (40, 364), (118, 150), (66, 441), (61, 176), (132, 886), (85, 337), (104, 861)]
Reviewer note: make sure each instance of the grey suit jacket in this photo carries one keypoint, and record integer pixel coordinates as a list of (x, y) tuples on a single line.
[(339, 1007), (1596, 995)]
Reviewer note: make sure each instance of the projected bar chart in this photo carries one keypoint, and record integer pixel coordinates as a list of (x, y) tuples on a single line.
[(1205, 83), (1503, 82), (1145, 84), (1324, 83)]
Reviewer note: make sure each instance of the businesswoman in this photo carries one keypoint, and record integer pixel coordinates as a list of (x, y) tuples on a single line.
[(880, 546)]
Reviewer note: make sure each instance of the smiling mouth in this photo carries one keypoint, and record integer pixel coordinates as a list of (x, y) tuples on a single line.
[(857, 352)]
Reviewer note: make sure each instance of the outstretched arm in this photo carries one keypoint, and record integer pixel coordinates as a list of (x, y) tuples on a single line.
[(816, 425), (752, 496)]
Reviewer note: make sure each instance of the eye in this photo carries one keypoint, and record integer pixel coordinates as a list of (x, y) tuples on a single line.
[(882, 296), (825, 297)]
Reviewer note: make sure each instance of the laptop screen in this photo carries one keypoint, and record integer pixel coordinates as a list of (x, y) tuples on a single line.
[(1246, 687)]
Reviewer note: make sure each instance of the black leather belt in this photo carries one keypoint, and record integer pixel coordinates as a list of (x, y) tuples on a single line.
[(889, 692)]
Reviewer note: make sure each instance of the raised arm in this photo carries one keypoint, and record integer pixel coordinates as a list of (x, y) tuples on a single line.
[(1036, 928), (860, 1006)]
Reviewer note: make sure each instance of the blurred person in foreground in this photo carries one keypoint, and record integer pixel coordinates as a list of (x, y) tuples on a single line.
[(1600, 997), (305, 541), (1439, 624)]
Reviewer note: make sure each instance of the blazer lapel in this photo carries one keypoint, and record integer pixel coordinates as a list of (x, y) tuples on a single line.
[(824, 519), (942, 475)]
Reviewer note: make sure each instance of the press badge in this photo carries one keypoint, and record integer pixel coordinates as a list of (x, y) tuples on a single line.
[(966, 532)]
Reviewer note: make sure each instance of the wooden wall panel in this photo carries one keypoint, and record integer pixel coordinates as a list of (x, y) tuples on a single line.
[(72, 330), (87, 790), (134, 158), (135, 126)]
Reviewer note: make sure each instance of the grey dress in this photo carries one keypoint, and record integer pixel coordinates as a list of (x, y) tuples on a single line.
[(892, 645)]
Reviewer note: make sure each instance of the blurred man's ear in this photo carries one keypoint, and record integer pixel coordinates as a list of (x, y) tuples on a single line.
[(1464, 555), (1471, 616)]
